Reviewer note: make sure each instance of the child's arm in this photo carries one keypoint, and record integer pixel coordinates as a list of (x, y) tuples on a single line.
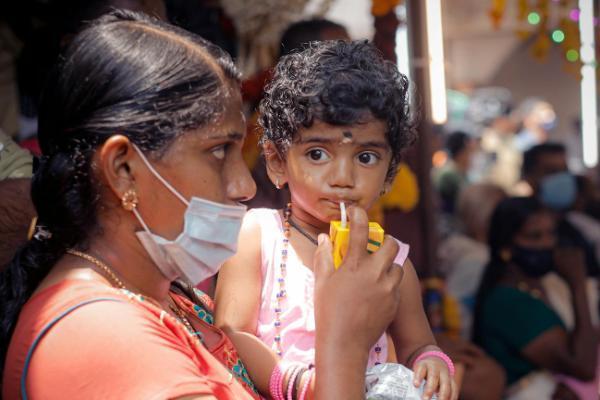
[(412, 336), (237, 300), (410, 330)]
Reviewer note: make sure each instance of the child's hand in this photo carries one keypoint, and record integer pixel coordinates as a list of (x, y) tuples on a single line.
[(435, 371)]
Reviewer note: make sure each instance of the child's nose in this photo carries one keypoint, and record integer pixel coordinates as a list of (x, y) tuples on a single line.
[(342, 174)]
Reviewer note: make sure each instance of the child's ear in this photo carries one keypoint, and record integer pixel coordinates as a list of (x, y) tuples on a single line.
[(276, 166)]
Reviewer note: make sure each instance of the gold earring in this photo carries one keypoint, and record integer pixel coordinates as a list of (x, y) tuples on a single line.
[(129, 201), (32, 226), (277, 183)]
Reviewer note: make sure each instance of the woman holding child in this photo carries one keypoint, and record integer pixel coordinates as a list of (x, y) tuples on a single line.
[(137, 197)]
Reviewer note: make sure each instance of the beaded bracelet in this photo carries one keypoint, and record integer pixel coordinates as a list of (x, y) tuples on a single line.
[(302, 396), (276, 383), (437, 354), (295, 370)]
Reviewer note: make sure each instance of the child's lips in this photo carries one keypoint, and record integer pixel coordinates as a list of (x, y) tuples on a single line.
[(336, 202)]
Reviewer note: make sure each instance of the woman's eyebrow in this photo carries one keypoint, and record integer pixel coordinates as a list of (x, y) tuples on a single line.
[(231, 135)]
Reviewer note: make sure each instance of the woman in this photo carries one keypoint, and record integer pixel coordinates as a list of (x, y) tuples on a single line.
[(514, 322), (141, 129)]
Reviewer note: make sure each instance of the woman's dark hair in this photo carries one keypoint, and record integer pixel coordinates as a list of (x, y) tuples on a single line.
[(126, 73), (507, 220), (339, 83)]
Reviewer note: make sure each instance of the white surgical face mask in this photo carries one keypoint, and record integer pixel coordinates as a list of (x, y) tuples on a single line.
[(209, 237)]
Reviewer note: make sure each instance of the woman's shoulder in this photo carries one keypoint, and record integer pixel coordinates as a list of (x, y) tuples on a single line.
[(141, 339), (67, 293), (517, 304), (503, 295), (85, 300)]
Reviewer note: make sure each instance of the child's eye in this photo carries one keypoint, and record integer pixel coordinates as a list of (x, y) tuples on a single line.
[(219, 151), (317, 155), (368, 158)]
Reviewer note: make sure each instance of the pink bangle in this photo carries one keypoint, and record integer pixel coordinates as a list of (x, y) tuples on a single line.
[(296, 370), (302, 396), (276, 383), (437, 354)]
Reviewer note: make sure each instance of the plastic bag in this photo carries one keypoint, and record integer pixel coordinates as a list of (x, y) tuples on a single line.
[(392, 382)]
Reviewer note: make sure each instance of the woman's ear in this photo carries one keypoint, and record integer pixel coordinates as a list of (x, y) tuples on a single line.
[(276, 165), (116, 164)]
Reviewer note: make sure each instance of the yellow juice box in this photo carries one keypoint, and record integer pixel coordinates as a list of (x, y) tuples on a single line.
[(341, 235)]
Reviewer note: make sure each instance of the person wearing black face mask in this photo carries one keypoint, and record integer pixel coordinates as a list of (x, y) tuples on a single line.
[(546, 173), (533, 262), (514, 321), (581, 215)]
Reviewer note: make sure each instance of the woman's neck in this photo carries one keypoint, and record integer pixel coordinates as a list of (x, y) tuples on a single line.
[(514, 276), (132, 264)]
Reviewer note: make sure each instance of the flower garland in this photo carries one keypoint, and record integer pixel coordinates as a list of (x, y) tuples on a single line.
[(549, 23)]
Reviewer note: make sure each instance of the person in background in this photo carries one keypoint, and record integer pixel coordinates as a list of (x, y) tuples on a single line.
[(538, 120), (578, 215), (463, 256), (498, 136), (452, 176), (546, 176), (300, 33), (46, 38), (464, 253), (15, 162), (514, 321), (16, 213)]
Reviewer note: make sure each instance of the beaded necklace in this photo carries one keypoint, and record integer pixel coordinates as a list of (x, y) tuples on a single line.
[(281, 294)]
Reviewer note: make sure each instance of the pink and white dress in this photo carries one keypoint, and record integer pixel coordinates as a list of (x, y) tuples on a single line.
[(297, 328)]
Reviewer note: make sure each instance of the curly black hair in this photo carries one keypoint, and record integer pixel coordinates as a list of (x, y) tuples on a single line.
[(339, 83)]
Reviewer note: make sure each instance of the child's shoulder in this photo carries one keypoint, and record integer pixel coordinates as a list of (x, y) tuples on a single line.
[(267, 220), (262, 214)]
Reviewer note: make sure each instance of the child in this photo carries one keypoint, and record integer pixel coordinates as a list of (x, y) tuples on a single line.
[(335, 119)]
